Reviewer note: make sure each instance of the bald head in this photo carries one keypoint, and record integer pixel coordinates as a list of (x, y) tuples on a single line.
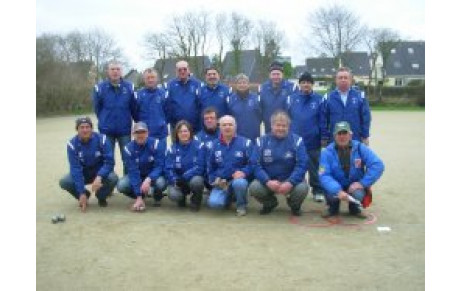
[(182, 70)]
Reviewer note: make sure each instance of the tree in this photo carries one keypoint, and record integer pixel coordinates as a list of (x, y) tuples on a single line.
[(268, 40), (238, 34), (158, 48), (335, 30), (220, 21)]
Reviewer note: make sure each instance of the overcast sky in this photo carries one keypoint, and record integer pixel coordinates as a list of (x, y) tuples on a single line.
[(128, 21)]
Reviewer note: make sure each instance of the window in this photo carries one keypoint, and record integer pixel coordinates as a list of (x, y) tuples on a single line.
[(398, 82), (322, 70), (333, 69), (397, 64), (393, 51), (410, 50), (415, 66), (313, 70)]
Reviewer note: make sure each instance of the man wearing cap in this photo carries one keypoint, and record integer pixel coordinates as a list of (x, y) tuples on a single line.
[(146, 158), (280, 163), (273, 93), (213, 93), (346, 169), (346, 104), (229, 168), (182, 98), (305, 108), (115, 106), (91, 161), (245, 107), (151, 106)]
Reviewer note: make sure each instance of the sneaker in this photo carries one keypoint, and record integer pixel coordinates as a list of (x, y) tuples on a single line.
[(102, 202), (156, 203), (241, 211), (296, 212), (318, 197)]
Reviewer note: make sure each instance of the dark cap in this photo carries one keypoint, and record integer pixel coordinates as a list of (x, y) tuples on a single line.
[(306, 76), (342, 126), (276, 66), (140, 126), (81, 120)]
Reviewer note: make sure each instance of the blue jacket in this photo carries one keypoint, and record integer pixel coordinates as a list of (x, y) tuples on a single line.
[(184, 161), (307, 117), (271, 100), (182, 102), (151, 109), (215, 97), (206, 137), (356, 113), (280, 159), (88, 160), (247, 113), (332, 176), (144, 160), (223, 160), (115, 107)]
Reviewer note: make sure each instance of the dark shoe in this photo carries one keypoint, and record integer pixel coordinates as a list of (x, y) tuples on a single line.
[(87, 193), (327, 214), (296, 212), (102, 202), (194, 207), (266, 210), (156, 203), (360, 215)]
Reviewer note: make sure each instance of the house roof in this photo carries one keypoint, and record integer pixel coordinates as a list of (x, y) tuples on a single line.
[(407, 58), (195, 64), (249, 64), (358, 62), (298, 70)]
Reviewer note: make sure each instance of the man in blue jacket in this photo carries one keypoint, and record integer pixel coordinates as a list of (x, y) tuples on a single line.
[(305, 108), (229, 168), (115, 106), (346, 169), (346, 104), (280, 163), (182, 101), (146, 157), (91, 161), (213, 93), (273, 93), (151, 106), (245, 107)]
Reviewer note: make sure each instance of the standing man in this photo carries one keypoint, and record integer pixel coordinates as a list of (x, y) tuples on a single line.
[(273, 93), (346, 104), (245, 107), (91, 161), (305, 108), (115, 106), (182, 98), (146, 158), (229, 168), (214, 93), (280, 164), (346, 169), (151, 106)]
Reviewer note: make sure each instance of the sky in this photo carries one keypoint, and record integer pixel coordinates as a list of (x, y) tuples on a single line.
[(128, 21)]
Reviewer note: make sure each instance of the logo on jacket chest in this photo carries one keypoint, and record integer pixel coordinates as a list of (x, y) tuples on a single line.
[(238, 154), (313, 105), (288, 155), (358, 163), (268, 156)]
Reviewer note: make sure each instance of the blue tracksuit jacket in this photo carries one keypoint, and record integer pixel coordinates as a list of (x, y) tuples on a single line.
[(247, 114), (88, 160), (184, 161), (215, 97), (307, 117), (151, 109), (223, 160), (332, 176), (280, 159), (115, 107), (271, 100), (182, 102), (144, 160), (356, 113)]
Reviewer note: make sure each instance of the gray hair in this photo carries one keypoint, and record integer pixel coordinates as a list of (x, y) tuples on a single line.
[(150, 71), (112, 62), (344, 69), (241, 76), (228, 117), (280, 115)]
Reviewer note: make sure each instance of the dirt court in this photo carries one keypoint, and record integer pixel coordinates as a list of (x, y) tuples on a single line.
[(174, 249)]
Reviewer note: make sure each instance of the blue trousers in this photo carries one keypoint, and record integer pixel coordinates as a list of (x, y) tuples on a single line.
[(123, 140), (238, 189), (313, 165), (108, 184)]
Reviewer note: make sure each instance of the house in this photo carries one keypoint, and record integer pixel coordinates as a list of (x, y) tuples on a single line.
[(405, 63), (134, 77), (167, 67), (249, 65)]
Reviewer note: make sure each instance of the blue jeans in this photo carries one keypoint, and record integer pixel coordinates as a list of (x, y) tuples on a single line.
[(123, 140), (108, 184), (238, 189), (124, 186), (313, 165), (267, 197), (334, 202)]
